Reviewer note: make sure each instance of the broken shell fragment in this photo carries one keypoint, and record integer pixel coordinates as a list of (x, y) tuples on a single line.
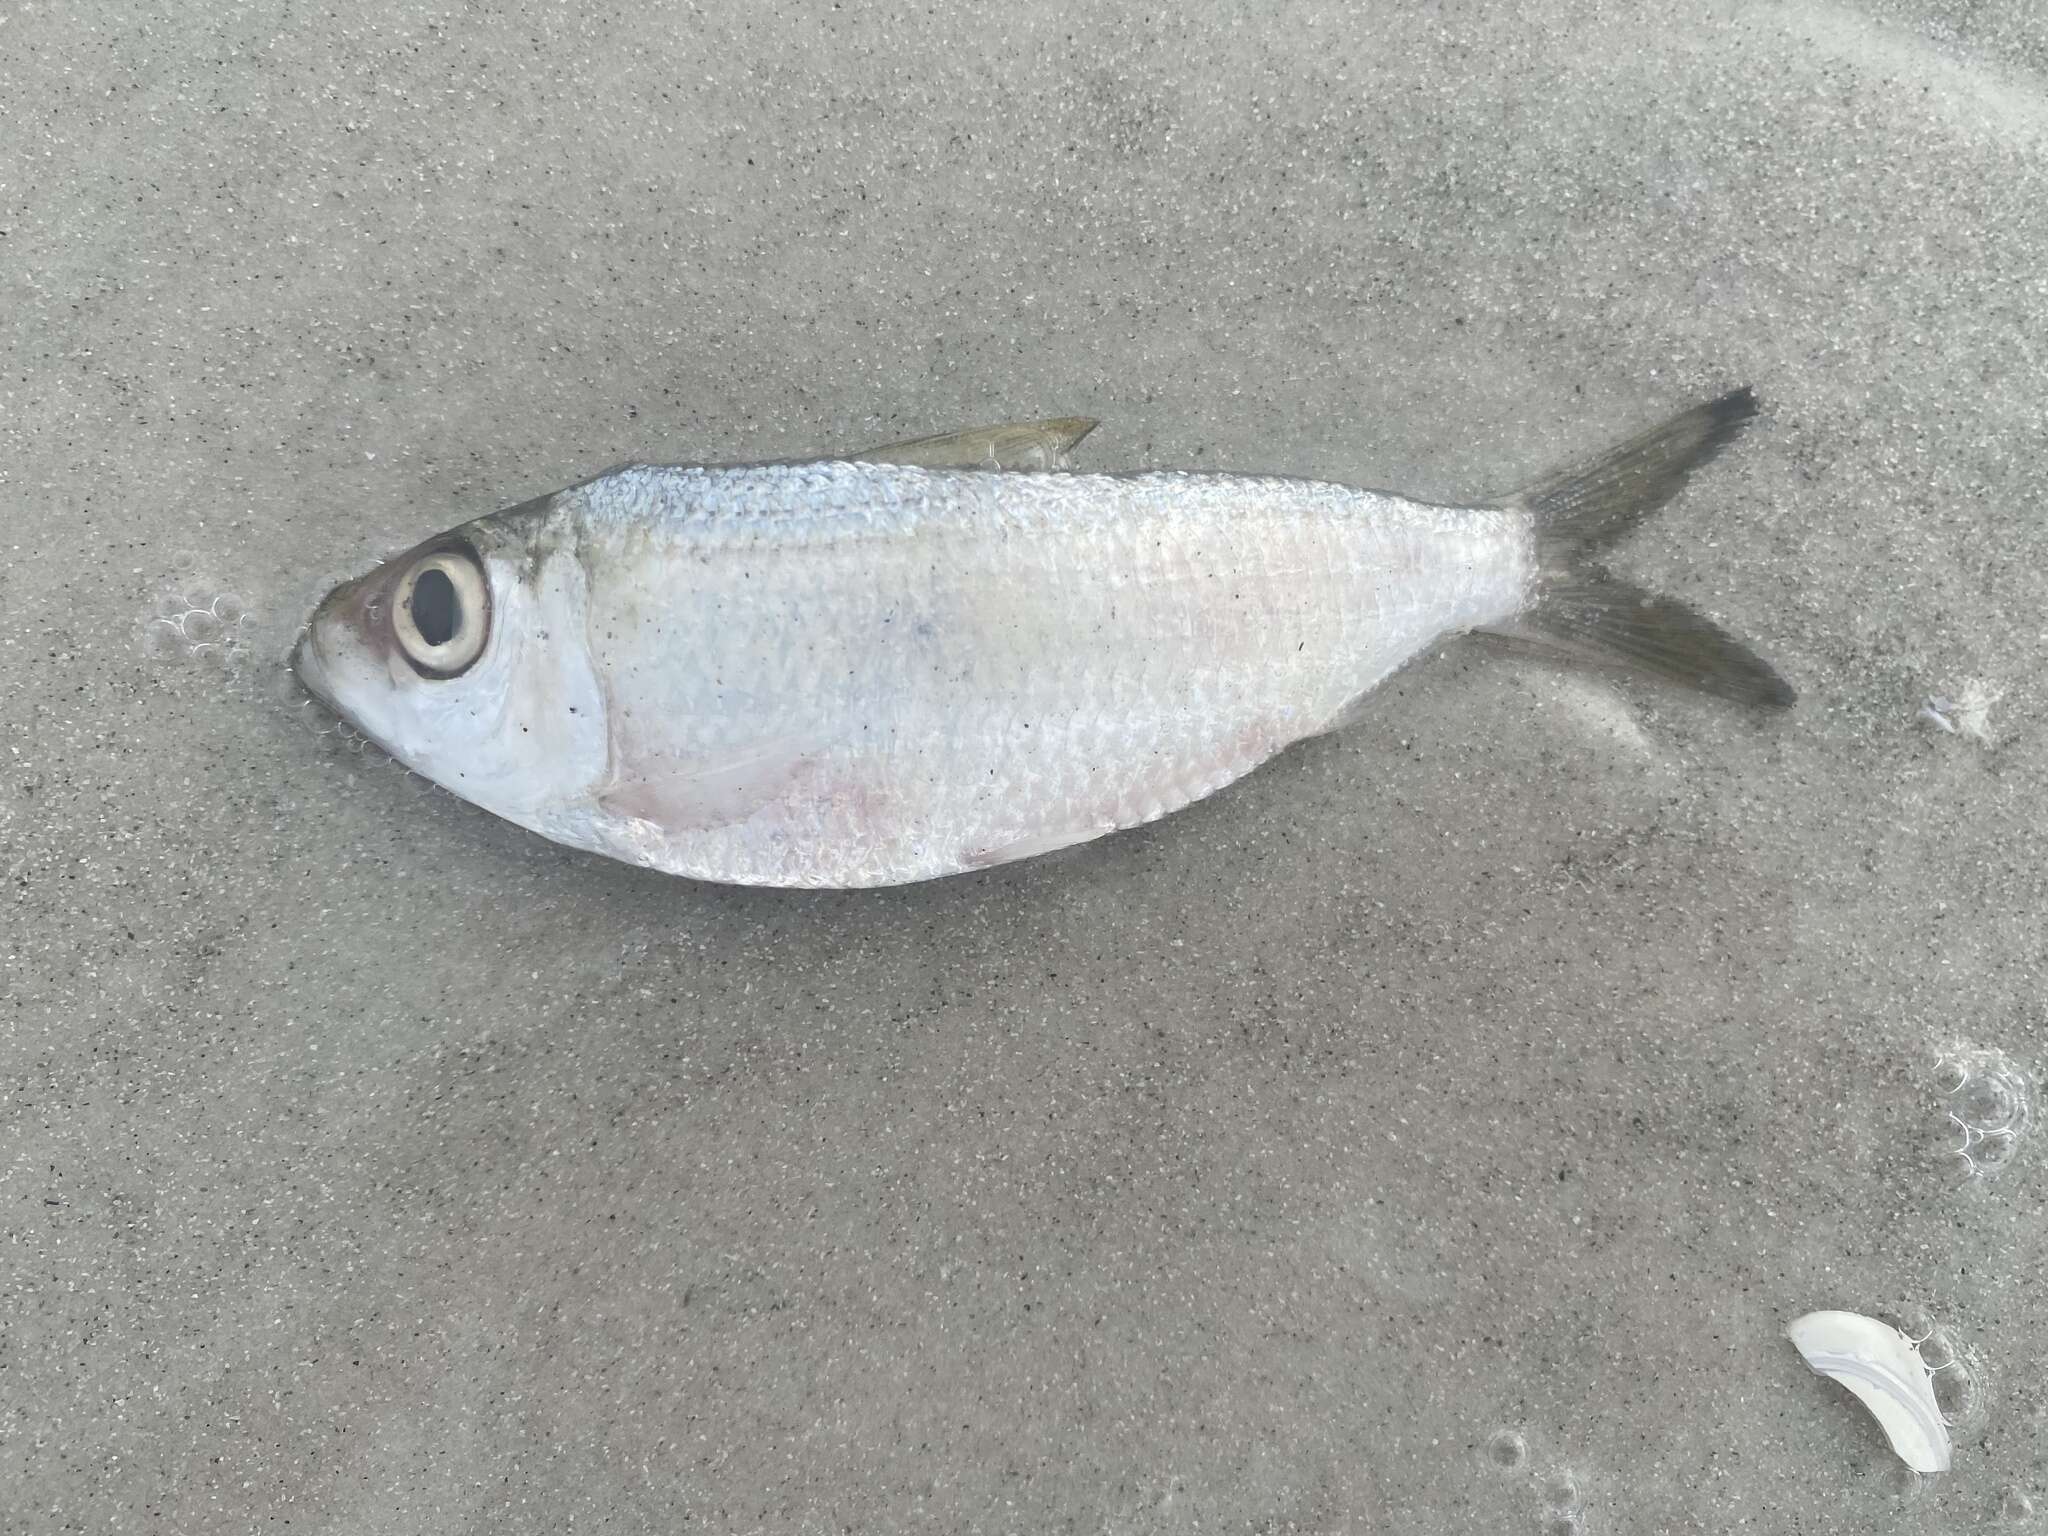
[(1882, 1366)]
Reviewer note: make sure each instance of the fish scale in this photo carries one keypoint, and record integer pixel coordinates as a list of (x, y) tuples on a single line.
[(1045, 657)]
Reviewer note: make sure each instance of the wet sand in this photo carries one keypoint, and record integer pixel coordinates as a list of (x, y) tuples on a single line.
[(1516, 1064)]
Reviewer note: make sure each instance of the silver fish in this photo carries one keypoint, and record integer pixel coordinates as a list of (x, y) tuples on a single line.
[(944, 655)]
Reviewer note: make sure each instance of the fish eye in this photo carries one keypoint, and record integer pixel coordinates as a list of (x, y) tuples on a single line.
[(442, 613)]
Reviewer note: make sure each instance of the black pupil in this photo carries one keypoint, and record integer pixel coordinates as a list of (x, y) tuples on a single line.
[(435, 612)]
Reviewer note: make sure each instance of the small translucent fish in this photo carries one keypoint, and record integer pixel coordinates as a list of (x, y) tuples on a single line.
[(947, 654)]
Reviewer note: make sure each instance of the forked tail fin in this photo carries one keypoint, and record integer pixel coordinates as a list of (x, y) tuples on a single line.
[(1582, 609)]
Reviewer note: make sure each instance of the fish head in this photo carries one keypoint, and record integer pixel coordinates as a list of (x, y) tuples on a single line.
[(466, 658)]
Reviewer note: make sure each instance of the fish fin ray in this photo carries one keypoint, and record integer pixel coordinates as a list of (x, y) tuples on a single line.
[(1580, 610), (1033, 845), (1593, 617), (1583, 509), (693, 794), (1006, 445)]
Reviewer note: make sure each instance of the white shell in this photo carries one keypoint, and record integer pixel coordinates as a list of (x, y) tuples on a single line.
[(1882, 1366)]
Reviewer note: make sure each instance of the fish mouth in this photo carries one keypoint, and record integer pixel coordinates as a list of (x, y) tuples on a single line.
[(341, 613), (309, 670), (310, 667)]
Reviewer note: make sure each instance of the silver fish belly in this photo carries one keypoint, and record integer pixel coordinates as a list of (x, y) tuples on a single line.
[(843, 673)]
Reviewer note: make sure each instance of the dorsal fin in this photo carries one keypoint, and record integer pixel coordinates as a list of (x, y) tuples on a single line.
[(1008, 445)]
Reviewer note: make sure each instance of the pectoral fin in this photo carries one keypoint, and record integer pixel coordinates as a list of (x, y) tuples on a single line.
[(1012, 445), (679, 795)]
